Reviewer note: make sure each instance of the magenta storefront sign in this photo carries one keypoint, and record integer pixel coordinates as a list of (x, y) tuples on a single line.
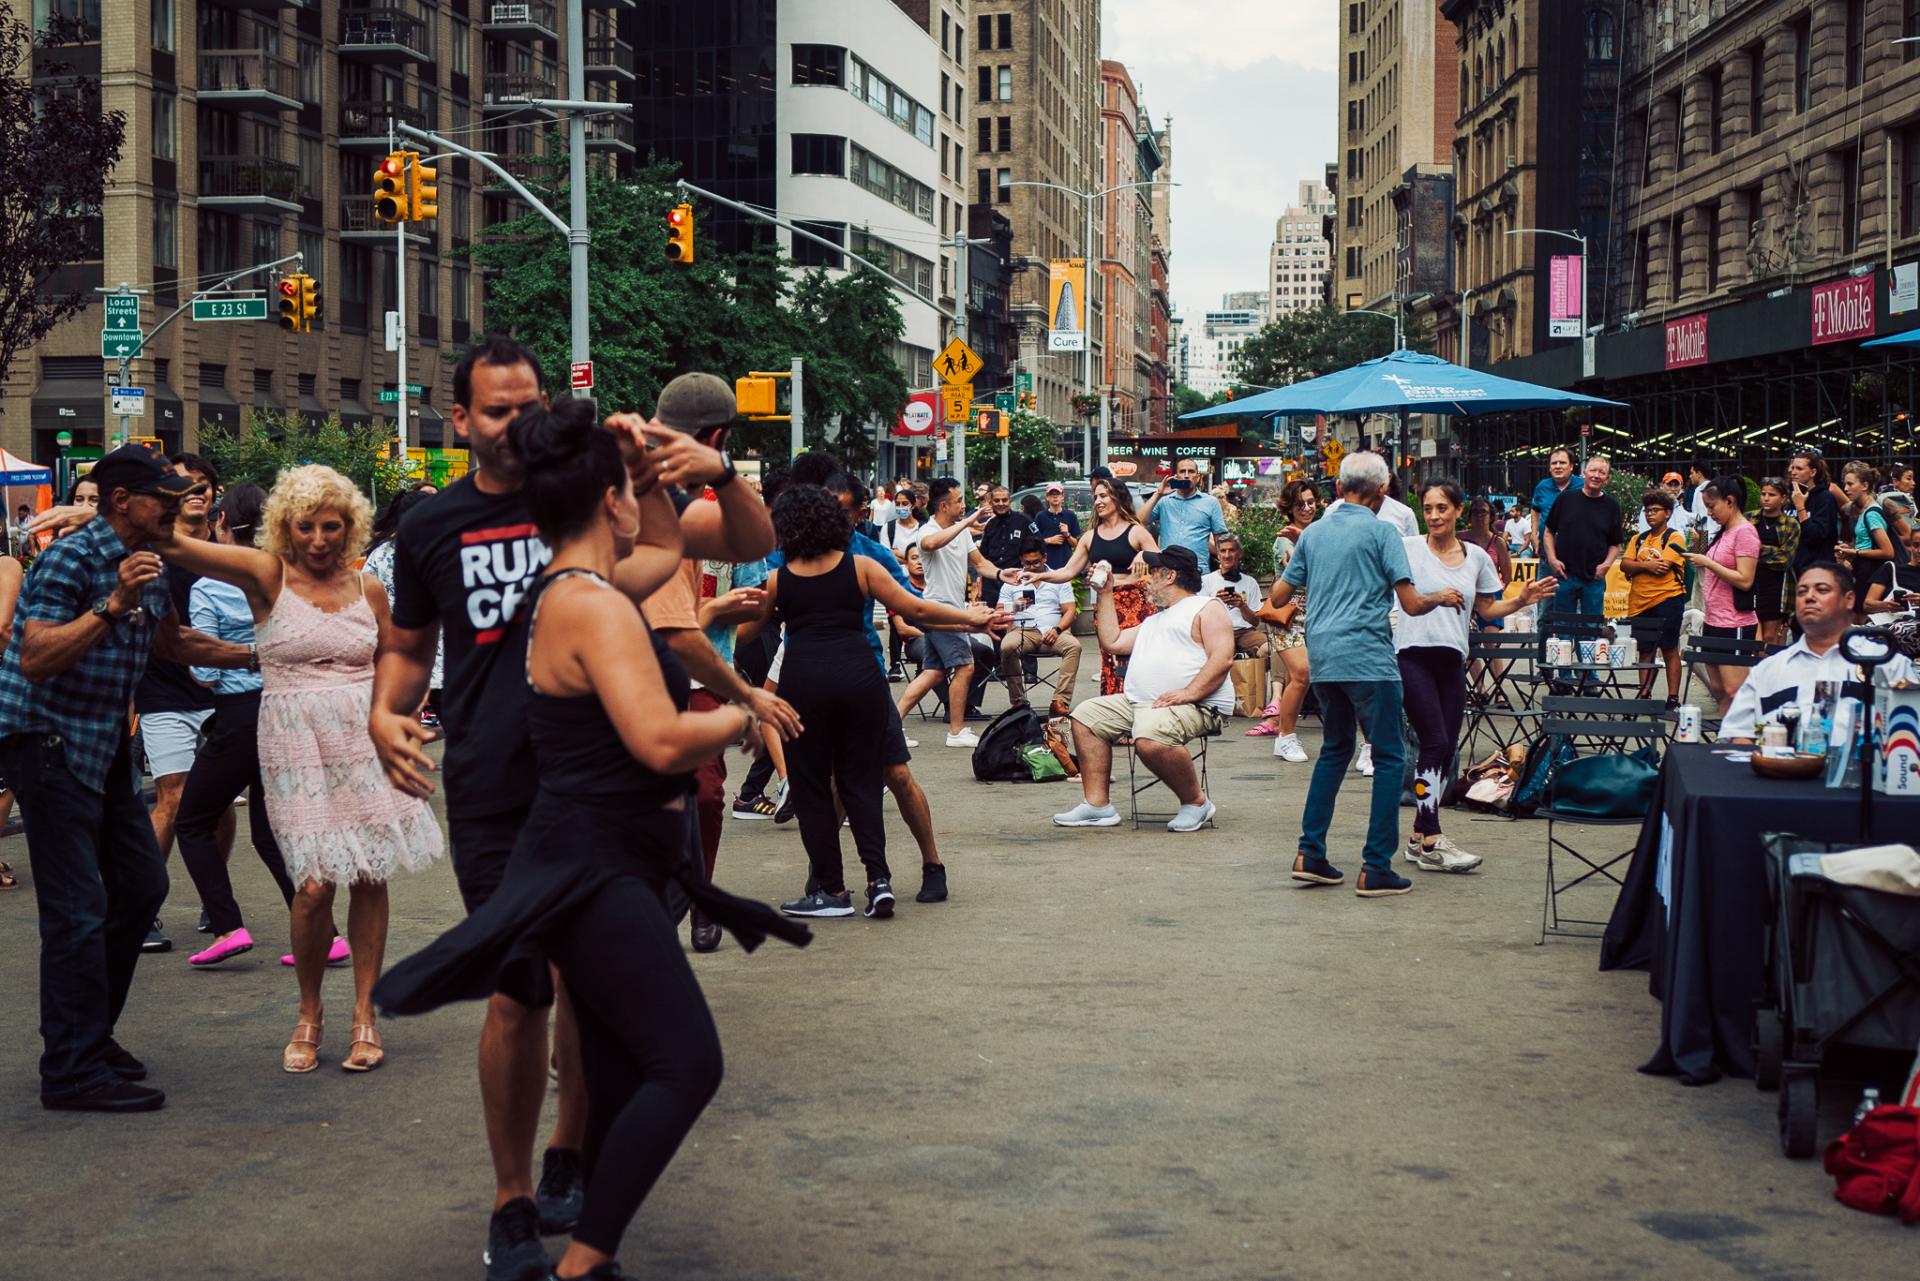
[(1687, 341), (1843, 309)]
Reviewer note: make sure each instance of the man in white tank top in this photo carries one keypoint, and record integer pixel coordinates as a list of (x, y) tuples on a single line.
[(1176, 691)]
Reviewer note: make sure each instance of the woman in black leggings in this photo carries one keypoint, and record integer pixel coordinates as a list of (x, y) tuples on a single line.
[(585, 887), (829, 676), (1432, 650)]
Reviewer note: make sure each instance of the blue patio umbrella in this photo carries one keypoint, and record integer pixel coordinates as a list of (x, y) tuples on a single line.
[(1405, 382), (1911, 338)]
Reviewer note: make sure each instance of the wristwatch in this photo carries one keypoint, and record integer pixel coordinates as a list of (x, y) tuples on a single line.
[(103, 610), (726, 477), (253, 658)]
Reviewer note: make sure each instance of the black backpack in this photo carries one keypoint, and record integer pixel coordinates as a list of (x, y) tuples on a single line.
[(996, 758)]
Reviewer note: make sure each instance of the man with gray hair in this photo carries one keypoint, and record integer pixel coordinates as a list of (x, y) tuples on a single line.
[(1354, 565)]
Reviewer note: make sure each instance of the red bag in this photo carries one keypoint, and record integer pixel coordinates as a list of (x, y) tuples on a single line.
[(1876, 1165)]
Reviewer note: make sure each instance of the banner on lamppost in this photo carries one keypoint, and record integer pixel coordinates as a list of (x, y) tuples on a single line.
[(1564, 285), (1066, 304)]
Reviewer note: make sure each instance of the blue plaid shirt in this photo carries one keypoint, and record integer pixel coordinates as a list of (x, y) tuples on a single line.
[(87, 704)]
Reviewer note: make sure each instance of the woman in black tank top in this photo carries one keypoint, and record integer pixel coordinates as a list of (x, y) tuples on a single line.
[(610, 829), (840, 693), (1116, 537)]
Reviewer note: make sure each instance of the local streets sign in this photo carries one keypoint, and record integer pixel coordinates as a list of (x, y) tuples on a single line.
[(123, 314), (230, 309)]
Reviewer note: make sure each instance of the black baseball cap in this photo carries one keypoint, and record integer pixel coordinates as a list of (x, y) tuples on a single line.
[(1100, 473), (1176, 558), (139, 470)]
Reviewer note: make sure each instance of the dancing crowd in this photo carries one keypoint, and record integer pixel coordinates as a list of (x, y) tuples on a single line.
[(591, 618)]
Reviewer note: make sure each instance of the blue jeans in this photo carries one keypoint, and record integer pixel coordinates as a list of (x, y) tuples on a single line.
[(99, 880), (1580, 595), (1341, 704)]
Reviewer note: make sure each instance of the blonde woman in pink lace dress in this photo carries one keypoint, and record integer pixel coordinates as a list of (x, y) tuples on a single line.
[(320, 623)]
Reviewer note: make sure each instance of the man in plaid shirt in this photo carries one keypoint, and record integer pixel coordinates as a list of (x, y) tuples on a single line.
[(92, 608)]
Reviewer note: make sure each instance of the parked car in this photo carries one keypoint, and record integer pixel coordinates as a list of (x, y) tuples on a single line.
[(1080, 497)]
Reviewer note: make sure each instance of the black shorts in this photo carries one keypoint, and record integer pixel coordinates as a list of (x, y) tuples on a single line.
[(1746, 631), (1667, 616), (482, 843), (896, 752)]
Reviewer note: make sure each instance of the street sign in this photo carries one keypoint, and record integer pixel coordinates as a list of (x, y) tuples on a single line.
[(119, 346), (957, 363), (1023, 381), (917, 418), (123, 314), (130, 401), (230, 309), (582, 375), (1004, 401), (390, 396), (958, 401)]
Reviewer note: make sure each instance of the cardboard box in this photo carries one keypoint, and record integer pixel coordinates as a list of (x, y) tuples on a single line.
[(1896, 722)]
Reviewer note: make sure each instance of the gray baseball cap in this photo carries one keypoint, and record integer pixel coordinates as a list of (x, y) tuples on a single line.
[(694, 403)]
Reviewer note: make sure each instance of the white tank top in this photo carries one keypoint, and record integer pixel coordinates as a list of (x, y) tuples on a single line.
[(1166, 657)]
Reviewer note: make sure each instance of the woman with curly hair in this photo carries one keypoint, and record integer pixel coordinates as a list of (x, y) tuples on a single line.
[(336, 817)]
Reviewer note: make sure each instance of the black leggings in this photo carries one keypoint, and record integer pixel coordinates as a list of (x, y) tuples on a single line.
[(648, 1048), (1433, 679), (844, 746), (227, 764)]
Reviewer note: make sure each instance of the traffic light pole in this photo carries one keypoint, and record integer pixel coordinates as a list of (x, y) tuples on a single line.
[(400, 323), (577, 235)]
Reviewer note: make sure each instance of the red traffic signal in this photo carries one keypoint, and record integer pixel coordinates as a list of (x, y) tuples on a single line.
[(680, 234)]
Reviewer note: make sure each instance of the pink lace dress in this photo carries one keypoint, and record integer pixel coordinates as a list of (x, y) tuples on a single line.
[(334, 813)]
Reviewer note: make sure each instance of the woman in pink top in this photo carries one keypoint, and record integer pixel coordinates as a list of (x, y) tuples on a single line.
[(337, 818), (1730, 564)]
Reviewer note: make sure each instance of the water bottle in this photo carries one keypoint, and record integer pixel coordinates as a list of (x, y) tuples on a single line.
[(1868, 1102)]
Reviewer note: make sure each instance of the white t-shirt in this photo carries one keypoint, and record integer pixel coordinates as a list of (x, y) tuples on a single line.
[(1518, 528), (1474, 576), (1709, 527), (1050, 601), (1394, 512), (1245, 584), (882, 510), (904, 538), (947, 566)]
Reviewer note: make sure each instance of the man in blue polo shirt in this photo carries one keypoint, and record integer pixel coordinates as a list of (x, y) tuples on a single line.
[(1182, 513), (1558, 481)]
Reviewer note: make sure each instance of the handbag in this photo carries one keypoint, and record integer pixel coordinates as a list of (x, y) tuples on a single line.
[(1605, 785), (1249, 677), (1876, 1165)]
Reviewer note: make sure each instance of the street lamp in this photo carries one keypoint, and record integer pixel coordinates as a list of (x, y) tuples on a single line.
[(1086, 354)]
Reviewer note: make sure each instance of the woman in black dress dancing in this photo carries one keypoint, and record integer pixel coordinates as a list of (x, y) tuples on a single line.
[(821, 594), (586, 886)]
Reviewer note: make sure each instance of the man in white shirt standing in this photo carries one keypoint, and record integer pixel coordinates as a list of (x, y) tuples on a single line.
[(946, 550), (1240, 592), (1042, 624), (1392, 510), (1823, 603)]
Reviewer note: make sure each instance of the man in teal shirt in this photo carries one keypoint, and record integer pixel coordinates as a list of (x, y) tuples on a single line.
[(1181, 512)]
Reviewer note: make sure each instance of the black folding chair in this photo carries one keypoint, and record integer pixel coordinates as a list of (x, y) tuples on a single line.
[(1720, 651), (1501, 698), (1196, 748), (1601, 725)]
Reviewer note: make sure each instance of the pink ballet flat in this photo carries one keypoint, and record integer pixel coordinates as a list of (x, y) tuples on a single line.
[(223, 949), (338, 954), (1263, 731)]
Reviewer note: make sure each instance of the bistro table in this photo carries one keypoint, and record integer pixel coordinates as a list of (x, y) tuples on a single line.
[(1693, 907)]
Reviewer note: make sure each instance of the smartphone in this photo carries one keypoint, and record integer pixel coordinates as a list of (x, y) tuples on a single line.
[(1180, 484)]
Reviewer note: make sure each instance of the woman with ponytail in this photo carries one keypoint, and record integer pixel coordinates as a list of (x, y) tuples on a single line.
[(587, 884)]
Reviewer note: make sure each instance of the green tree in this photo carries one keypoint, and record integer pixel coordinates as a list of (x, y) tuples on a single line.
[(269, 442), (1033, 449), (1312, 343), (1186, 400)]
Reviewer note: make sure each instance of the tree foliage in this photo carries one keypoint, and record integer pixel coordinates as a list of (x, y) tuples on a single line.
[(269, 442), (1033, 449), (57, 145), (726, 313), (1312, 343)]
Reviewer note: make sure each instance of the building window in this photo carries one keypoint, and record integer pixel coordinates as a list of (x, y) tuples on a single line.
[(460, 209), (809, 253), (819, 153), (1756, 88), (1600, 36), (429, 287), (1802, 63), (160, 29), (986, 85), (1006, 84), (312, 167), (1005, 126), (1849, 167), (986, 136), (219, 241), (1716, 89), (984, 185), (1006, 30), (313, 253), (819, 64), (870, 173), (460, 37), (165, 131), (166, 232), (462, 291), (266, 240), (879, 93), (1909, 27), (312, 70), (1674, 112), (1003, 185), (1856, 41), (84, 12), (985, 23), (946, 32)]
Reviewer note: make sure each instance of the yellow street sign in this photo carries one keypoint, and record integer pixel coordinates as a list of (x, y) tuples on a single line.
[(958, 401), (1333, 451), (957, 363)]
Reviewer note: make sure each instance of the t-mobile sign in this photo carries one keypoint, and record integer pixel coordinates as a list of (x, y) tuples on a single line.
[(1564, 283), (1687, 341), (1843, 309)]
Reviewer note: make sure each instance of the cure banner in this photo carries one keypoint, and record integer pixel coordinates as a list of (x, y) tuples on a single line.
[(1066, 304)]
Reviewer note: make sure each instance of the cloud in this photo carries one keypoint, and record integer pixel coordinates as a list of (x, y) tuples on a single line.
[(1223, 35)]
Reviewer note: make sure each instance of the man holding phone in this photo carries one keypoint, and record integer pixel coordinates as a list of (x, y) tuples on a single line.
[(1042, 624), (1190, 518), (1240, 592)]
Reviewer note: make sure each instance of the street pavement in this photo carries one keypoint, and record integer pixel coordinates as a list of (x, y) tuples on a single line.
[(1112, 1054)]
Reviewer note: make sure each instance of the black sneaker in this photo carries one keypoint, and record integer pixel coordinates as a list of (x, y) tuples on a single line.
[(114, 1096), (562, 1191), (1373, 884), (1316, 870), (896, 673), (157, 940), (206, 925), (879, 900), (514, 1252), (783, 811), (124, 1065), (605, 1270), (756, 807), (933, 884), (819, 903)]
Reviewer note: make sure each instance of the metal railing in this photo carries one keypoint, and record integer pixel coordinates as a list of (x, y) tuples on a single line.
[(367, 118), (539, 13), (386, 24), (249, 176), (604, 52), (248, 70), (609, 129), (505, 87)]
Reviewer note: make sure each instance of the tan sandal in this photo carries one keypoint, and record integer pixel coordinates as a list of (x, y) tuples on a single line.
[(303, 1051), (357, 1060)]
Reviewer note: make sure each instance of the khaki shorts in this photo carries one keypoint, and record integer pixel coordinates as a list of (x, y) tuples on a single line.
[(1111, 716)]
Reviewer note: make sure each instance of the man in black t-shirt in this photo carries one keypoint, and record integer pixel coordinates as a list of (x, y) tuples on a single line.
[(463, 563), (1006, 530), (1582, 539)]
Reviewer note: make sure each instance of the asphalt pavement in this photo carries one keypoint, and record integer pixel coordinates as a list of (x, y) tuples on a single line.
[(1112, 1054)]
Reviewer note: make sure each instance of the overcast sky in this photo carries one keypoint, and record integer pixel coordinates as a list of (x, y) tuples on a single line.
[(1250, 87)]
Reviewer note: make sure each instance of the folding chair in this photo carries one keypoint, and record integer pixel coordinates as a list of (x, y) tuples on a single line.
[(1608, 724), (1135, 787), (1721, 651), (1501, 701)]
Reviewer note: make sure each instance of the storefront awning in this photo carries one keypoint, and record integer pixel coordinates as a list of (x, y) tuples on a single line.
[(69, 404)]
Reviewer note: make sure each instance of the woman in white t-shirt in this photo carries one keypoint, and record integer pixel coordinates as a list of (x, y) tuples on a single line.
[(905, 529), (1432, 649)]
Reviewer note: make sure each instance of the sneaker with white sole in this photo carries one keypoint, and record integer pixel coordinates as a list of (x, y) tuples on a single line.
[(754, 808), (910, 742), (1445, 856), (965, 738), (1363, 760), (1085, 815), (1287, 748), (1191, 818), (879, 900), (820, 903)]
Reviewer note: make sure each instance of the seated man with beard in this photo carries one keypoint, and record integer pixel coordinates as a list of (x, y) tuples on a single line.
[(1176, 691)]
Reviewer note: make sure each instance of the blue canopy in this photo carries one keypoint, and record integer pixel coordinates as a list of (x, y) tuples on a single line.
[(18, 471), (1911, 338), (1404, 382)]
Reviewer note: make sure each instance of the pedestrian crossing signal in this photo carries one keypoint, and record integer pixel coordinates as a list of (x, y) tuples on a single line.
[(753, 397), (680, 234), (989, 422)]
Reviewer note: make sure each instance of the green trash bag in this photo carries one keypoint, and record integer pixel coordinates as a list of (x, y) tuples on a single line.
[(1042, 763)]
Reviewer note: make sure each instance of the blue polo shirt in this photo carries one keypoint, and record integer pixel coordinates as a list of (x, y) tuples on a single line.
[(1546, 493), (1347, 562), (1188, 520)]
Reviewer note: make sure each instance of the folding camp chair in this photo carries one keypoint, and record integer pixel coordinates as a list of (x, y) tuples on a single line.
[(1607, 725), (1196, 748), (1721, 651)]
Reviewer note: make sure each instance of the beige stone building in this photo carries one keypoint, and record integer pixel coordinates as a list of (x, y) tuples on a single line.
[(1300, 258)]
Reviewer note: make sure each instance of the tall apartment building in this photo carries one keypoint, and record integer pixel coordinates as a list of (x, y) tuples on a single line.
[(1036, 114), (1129, 156), (946, 22), (1300, 257), (1398, 102), (1533, 77), (1248, 300), (1212, 355), (1162, 342), (253, 130)]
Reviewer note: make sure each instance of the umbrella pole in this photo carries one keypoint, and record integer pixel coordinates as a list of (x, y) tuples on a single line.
[(1400, 446)]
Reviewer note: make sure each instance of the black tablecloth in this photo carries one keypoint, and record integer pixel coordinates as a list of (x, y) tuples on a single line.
[(1705, 950)]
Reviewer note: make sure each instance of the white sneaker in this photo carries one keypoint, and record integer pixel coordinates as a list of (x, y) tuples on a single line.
[(965, 738), (1085, 815), (912, 742), (1445, 856), (1191, 818), (1363, 760), (1287, 748)]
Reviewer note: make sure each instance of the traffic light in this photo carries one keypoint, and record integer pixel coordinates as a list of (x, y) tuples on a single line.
[(309, 303), (753, 397), (680, 234), (425, 196), (987, 422), (290, 304), (390, 188)]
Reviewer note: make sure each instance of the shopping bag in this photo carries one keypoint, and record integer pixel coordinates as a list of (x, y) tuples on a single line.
[(1249, 677)]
